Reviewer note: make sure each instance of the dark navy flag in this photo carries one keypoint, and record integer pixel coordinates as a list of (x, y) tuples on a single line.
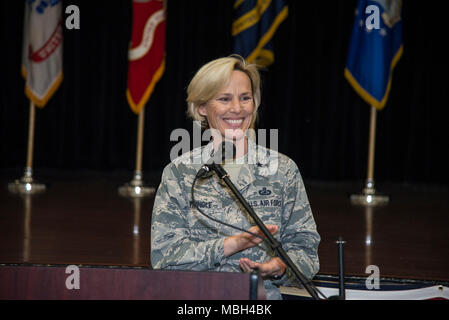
[(255, 22), (374, 50)]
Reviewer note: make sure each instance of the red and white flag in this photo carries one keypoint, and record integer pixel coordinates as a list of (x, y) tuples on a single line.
[(42, 49), (146, 55)]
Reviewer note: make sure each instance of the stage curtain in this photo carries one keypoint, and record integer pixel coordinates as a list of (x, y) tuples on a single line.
[(322, 123)]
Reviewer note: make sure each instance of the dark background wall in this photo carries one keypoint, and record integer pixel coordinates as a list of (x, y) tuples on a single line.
[(323, 124)]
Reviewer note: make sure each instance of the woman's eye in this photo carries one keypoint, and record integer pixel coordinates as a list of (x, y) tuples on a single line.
[(246, 98), (224, 99)]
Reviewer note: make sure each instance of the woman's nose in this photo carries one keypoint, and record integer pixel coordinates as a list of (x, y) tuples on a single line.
[(235, 106)]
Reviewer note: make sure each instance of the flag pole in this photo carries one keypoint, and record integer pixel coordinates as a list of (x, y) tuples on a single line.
[(136, 188), (369, 196), (139, 148), (371, 149), (27, 185)]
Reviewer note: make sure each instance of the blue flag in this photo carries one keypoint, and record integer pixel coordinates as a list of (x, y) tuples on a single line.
[(374, 50), (254, 25)]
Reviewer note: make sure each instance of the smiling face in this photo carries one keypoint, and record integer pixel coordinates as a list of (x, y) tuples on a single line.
[(231, 110)]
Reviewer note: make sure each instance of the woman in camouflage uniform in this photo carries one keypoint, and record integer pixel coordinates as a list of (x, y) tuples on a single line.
[(225, 95)]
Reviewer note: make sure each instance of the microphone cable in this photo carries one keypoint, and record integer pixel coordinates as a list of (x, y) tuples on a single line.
[(216, 220)]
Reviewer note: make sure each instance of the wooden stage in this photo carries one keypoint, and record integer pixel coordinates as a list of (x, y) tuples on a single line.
[(81, 219)]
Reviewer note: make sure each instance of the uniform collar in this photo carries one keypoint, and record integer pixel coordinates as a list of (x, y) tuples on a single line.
[(261, 164)]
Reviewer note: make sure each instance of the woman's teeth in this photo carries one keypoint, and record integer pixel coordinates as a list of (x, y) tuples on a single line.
[(234, 121)]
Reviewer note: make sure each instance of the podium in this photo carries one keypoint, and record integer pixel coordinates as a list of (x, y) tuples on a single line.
[(52, 282)]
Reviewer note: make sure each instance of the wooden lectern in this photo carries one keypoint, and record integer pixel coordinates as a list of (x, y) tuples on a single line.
[(39, 282)]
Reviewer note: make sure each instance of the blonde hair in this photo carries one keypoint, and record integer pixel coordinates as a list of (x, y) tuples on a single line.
[(211, 78)]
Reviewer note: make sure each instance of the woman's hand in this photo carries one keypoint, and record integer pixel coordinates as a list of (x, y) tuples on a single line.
[(245, 240), (274, 267)]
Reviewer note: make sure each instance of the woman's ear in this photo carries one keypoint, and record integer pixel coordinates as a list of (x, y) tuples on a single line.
[(202, 110)]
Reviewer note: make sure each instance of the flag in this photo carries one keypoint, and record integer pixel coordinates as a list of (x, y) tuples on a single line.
[(146, 56), (42, 50), (374, 50), (253, 27)]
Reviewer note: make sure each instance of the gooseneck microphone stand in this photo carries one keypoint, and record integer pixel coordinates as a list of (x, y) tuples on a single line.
[(275, 245)]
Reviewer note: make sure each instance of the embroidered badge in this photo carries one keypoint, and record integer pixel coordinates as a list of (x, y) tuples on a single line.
[(264, 192)]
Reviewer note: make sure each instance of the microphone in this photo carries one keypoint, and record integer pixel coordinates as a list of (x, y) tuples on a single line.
[(269, 239), (204, 169), (224, 152)]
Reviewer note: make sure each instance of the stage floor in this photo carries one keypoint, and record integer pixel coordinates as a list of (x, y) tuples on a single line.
[(81, 219)]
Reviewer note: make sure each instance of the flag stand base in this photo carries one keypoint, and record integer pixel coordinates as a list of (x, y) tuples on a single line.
[(26, 185), (136, 188), (369, 196)]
